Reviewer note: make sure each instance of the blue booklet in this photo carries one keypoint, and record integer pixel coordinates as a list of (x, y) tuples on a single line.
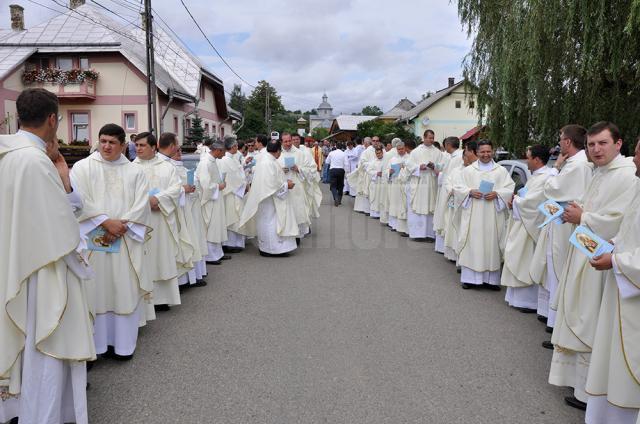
[(589, 243), (191, 176), (396, 169), (552, 211), (97, 243), (154, 191), (289, 162), (523, 192), (486, 187)]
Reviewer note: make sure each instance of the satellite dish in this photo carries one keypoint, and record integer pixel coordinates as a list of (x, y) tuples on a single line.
[(425, 120)]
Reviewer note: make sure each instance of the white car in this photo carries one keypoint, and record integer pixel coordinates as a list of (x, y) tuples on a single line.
[(518, 170), (275, 135)]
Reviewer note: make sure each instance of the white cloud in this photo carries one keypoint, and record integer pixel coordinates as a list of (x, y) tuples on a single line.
[(360, 52)]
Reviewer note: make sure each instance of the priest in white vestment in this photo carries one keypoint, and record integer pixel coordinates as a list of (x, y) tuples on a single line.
[(350, 165), (374, 176), (569, 185), (269, 206), (163, 246), (482, 231), (613, 382), (210, 183), (384, 184), (311, 183), (580, 287), (233, 195), (296, 173), (454, 212), (397, 190), (423, 187), (359, 178), (116, 198), (45, 322), (523, 232), (452, 159)]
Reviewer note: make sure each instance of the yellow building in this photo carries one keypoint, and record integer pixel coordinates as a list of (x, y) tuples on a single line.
[(97, 68), (448, 112)]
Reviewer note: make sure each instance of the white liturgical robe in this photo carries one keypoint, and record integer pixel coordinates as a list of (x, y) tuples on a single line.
[(553, 242), (297, 195), (521, 241), (163, 246), (268, 205), (439, 216), (384, 185), (398, 194), (613, 382), (233, 195), (45, 323), (116, 190), (423, 190), (208, 179), (374, 167), (579, 293), (482, 230)]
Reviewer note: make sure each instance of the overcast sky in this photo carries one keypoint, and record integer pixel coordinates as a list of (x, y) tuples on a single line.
[(361, 52)]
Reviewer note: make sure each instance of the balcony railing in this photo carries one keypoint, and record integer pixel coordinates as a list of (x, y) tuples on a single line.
[(72, 84)]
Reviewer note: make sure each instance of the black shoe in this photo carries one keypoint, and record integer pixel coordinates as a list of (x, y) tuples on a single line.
[(214, 262), (404, 235), (225, 258), (575, 403), (459, 270), (430, 240), (122, 358), (184, 287), (527, 310), (466, 286), (542, 319), (200, 283), (162, 308), (230, 249), (297, 241), (14, 420), (549, 330), (336, 203), (274, 255), (493, 288), (547, 345), (90, 365)]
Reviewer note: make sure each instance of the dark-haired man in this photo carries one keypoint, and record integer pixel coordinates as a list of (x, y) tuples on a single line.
[(483, 218), (268, 213), (116, 199), (163, 247), (45, 322), (580, 286), (573, 173), (523, 232)]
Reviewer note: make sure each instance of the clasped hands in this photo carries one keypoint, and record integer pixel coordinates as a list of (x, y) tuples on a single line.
[(115, 228), (290, 184), (572, 213), (189, 188), (476, 194)]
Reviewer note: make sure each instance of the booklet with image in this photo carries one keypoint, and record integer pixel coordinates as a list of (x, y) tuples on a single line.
[(191, 176), (589, 243), (486, 187), (289, 162), (97, 242), (552, 210), (396, 169), (154, 191)]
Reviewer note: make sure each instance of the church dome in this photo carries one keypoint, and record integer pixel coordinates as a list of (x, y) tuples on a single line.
[(324, 104)]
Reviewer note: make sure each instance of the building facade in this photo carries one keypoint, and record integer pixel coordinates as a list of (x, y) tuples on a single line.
[(324, 116)]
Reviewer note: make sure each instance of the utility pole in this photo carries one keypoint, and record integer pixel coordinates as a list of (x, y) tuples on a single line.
[(152, 111)]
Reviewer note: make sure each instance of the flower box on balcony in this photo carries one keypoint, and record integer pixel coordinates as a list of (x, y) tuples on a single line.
[(75, 83)]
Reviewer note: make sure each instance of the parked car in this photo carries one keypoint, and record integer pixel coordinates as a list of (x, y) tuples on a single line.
[(518, 170)]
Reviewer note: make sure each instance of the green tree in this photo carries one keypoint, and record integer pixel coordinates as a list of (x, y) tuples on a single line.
[(541, 65), (254, 113), (384, 130), (196, 132), (319, 133), (237, 99), (371, 111)]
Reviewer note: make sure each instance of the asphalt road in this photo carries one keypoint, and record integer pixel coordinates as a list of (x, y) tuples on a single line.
[(359, 326)]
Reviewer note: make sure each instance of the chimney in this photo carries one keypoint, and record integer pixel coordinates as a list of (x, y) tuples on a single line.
[(73, 4), (452, 81), (17, 17)]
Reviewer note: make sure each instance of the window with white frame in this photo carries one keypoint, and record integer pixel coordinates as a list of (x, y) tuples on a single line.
[(64, 63), (80, 126), (130, 123)]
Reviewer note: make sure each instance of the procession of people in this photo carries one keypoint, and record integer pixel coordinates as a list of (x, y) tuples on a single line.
[(577, 266), (96, 252)]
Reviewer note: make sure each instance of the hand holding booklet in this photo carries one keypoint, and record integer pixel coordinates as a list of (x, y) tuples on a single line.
[(289, 162), (396, 169), (154, 191), (486, 187), (552, 210), (97, 242), (191, 176), (589, 243)]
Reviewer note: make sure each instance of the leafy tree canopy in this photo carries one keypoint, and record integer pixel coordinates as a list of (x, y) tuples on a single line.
[(371, 111)]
